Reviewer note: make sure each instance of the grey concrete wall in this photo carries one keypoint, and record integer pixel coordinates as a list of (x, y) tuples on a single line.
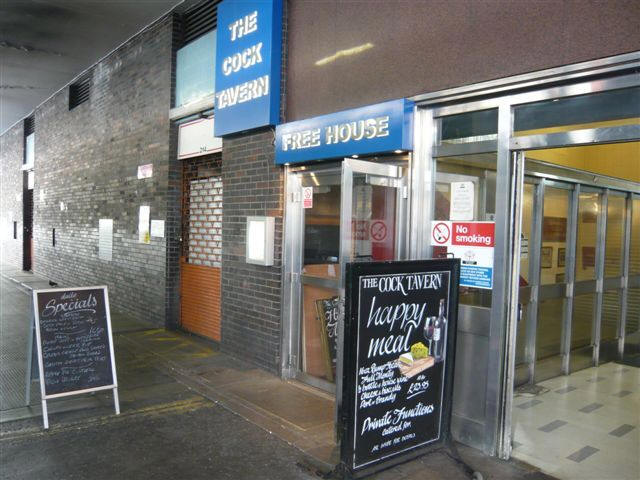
[(251, 294), (87, 160), (11, 184)]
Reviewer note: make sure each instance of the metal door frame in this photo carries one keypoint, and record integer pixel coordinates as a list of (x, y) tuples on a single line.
[(294, 249)]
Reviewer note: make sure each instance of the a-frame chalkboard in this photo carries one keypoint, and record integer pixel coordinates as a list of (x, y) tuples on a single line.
[(74, 342), (399, 350)]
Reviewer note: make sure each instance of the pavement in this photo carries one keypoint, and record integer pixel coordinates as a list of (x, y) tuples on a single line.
[(187, 411)]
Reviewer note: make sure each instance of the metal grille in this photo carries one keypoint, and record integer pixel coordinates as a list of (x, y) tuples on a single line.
[(79, 91), (29, 126), (199, 20)]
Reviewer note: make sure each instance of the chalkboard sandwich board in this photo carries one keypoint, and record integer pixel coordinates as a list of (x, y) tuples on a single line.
[(400, 324), (74, 342)]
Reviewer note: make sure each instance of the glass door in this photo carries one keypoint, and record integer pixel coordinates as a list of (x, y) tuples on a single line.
[(632, 308), (552, 297), (353, 212), (612, 284), (585, 291)]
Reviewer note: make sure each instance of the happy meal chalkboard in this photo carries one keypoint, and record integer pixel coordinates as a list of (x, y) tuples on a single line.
[(400, 325)]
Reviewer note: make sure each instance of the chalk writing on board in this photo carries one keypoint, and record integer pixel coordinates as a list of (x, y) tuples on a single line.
[(74, 340)]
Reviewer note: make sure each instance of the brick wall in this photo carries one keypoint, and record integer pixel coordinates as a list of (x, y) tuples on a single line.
[(11, 156), (86, 160), (251, 294)]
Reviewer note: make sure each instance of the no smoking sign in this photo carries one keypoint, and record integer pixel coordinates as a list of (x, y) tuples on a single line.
[(441, 233), (378, 231)]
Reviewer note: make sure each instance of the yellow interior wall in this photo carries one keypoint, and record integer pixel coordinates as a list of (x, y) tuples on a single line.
[(621, 160)]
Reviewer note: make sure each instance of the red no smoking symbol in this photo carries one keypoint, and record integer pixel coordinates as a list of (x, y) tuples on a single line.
[(441, 233), (378, 231)]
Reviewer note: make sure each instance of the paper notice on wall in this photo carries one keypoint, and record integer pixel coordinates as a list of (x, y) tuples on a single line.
[(462, 201), (524, 246), (105, 239), (157, 228), (144, 235), (145, 171)]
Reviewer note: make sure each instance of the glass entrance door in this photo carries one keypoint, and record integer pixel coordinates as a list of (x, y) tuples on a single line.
[(585, 291), (352, 212)]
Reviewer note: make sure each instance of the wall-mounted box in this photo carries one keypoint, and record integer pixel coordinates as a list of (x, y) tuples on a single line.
[(260, 240)]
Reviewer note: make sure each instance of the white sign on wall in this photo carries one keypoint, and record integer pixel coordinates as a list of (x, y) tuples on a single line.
[(105, 239), (196, 138)]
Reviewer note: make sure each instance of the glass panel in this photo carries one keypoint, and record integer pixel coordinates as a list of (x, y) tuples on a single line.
[(320, 304), (373, 222), (614, 250), (477, 172), (588, 209), (321, 309), (609, 326), (550, 321), (554, 235), (634, 253), (195, 69), (610, 315), (322, 229), (526, 228), (582, 320), (470, 127), (632, 326), (611, 108), (552, 270)]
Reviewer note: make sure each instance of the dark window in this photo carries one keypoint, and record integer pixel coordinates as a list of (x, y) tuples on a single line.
[(15, 230), (79, 91), (29, 140), (199, 20), (29, 126), (53, 237)]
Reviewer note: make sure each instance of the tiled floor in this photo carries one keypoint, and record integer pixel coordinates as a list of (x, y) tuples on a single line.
[(586, 426)]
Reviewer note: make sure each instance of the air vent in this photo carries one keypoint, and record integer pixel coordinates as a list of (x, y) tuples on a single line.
[(199, 20), (79, 91), (29, 126)]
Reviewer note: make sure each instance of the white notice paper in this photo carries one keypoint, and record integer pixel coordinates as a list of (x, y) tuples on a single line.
[(157, 228), (462, 201), (144, 235), (105, 239)]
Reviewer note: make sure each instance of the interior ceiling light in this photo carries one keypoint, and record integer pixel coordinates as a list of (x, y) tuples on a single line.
[(344, 53), (397, 151)]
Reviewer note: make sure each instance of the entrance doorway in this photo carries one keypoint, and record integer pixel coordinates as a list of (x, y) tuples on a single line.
[(348, 212), (575, 374)]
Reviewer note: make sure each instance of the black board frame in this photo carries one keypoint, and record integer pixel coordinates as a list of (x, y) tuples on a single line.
[(36, 318), (346, 415)]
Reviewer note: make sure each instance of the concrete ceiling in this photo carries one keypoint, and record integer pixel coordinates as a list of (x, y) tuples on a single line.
[(45, 44)]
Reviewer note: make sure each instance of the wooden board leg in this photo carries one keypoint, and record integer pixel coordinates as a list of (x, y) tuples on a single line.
[(45, 415), (116, 400)]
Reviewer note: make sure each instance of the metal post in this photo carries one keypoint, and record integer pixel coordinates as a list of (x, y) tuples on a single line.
[(600, 254), (625, 275), (496, 387), (570, 261), (517, 186), (116, 400), (28, 375)]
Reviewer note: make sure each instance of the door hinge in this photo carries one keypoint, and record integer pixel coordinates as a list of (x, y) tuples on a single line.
[(296, 197), (405, 191), (293, 360), (294, 277)]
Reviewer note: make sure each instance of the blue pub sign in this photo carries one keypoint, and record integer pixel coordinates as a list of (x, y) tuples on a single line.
[(383, 127), (248, 59)]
